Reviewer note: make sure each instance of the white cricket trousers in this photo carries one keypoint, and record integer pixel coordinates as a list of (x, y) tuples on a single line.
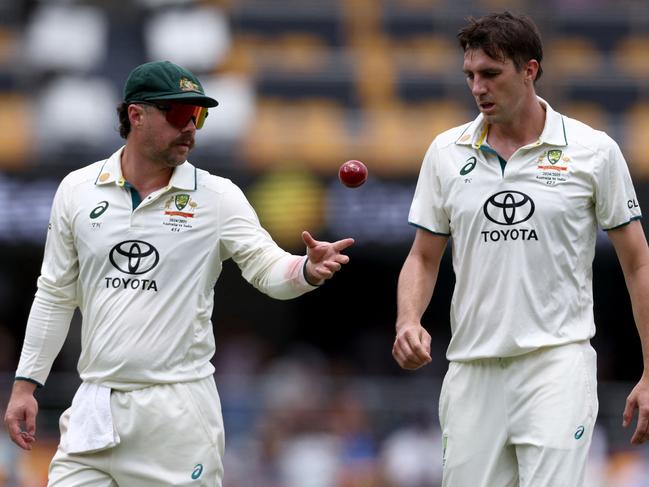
[(170, 435), (523, 421)]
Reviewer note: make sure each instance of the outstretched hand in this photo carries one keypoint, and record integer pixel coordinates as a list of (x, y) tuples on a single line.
[(638, 399), (324, 258)]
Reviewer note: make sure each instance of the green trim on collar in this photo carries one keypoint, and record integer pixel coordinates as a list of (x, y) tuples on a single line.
[(468, 141), (111, 169), (502, 161), (136, 199), (101, 171)]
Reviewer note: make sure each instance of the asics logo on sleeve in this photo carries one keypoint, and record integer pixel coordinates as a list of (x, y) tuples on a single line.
[(198, 470)]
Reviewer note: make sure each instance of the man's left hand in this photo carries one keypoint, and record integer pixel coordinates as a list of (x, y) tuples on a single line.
[(324, 259), (638, 399)]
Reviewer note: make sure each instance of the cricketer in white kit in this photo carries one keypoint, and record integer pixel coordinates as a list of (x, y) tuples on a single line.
[(520, 192), (523, 242), (136, 242)]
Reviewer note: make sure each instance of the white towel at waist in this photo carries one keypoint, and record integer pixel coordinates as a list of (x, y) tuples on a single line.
[(90, 426)]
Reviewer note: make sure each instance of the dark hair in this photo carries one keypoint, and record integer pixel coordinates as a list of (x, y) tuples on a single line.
[(124, 122), (504, 36)]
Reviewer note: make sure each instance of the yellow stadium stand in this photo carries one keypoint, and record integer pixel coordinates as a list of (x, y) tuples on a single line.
[(285, 133), (636, 141), (16, 130), (426, 55), (631, 56), (294, 52), (32, 466), (374, 71), (572, 56), (590, 113), (394, 138), (8, 45)]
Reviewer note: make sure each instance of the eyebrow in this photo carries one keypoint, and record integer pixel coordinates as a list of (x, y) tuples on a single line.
[(483, 70)]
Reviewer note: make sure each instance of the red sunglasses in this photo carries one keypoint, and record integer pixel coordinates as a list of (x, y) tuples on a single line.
[(179, 114)]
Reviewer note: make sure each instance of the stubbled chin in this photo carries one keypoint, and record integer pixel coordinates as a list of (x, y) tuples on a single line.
[(183, 149), (490, 116), (179, 156)]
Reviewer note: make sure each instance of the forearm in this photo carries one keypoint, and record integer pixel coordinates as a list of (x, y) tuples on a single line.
[(637, 281), (415, 289), (47, 328), (283, 278), (418, 277), (633, 253)]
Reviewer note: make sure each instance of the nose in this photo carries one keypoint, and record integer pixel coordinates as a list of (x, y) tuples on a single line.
[(190, 126), (478, 86)]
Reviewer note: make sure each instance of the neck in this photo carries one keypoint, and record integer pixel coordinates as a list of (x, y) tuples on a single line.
[(525, 127), (143, 173)]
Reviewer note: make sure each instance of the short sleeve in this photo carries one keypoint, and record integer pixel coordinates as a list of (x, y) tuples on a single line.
[(616, 203), (427, 210)]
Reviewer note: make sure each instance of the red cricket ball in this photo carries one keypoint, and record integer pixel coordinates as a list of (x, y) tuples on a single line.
[(352, 174)]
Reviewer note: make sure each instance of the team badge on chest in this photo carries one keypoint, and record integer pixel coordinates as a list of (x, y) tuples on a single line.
[(552, 167), (179, 212)]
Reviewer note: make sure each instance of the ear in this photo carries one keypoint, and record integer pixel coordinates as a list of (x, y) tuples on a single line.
[(135, 115), (531, 70)]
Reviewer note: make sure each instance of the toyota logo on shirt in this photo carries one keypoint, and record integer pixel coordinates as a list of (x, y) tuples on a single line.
[(134, 257), (509, 208)]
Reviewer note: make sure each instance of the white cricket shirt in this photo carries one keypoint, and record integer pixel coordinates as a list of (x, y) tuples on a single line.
[(523, 233), (143, 279)]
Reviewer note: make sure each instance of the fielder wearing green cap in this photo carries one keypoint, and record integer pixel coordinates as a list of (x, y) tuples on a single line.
[(163, 80), (137, 242)]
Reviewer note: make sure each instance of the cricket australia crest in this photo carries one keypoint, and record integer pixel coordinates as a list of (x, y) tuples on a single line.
[(558, 171), (179, 211), (554, 155)]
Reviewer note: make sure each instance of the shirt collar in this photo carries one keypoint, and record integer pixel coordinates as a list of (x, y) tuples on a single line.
[(111, 170), (183, 177), (554, 132)]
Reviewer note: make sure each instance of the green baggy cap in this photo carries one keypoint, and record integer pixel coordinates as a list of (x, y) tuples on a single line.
[(163, 80)]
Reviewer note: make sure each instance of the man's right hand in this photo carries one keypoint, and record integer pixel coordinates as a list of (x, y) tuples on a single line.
[(411, 347), (20, 417)]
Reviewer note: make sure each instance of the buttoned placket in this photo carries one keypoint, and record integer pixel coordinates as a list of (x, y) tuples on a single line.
[(504, 164), (138, 213), (149, 200)]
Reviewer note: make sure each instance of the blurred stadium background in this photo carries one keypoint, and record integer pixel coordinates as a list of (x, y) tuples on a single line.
[(311, 395)]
